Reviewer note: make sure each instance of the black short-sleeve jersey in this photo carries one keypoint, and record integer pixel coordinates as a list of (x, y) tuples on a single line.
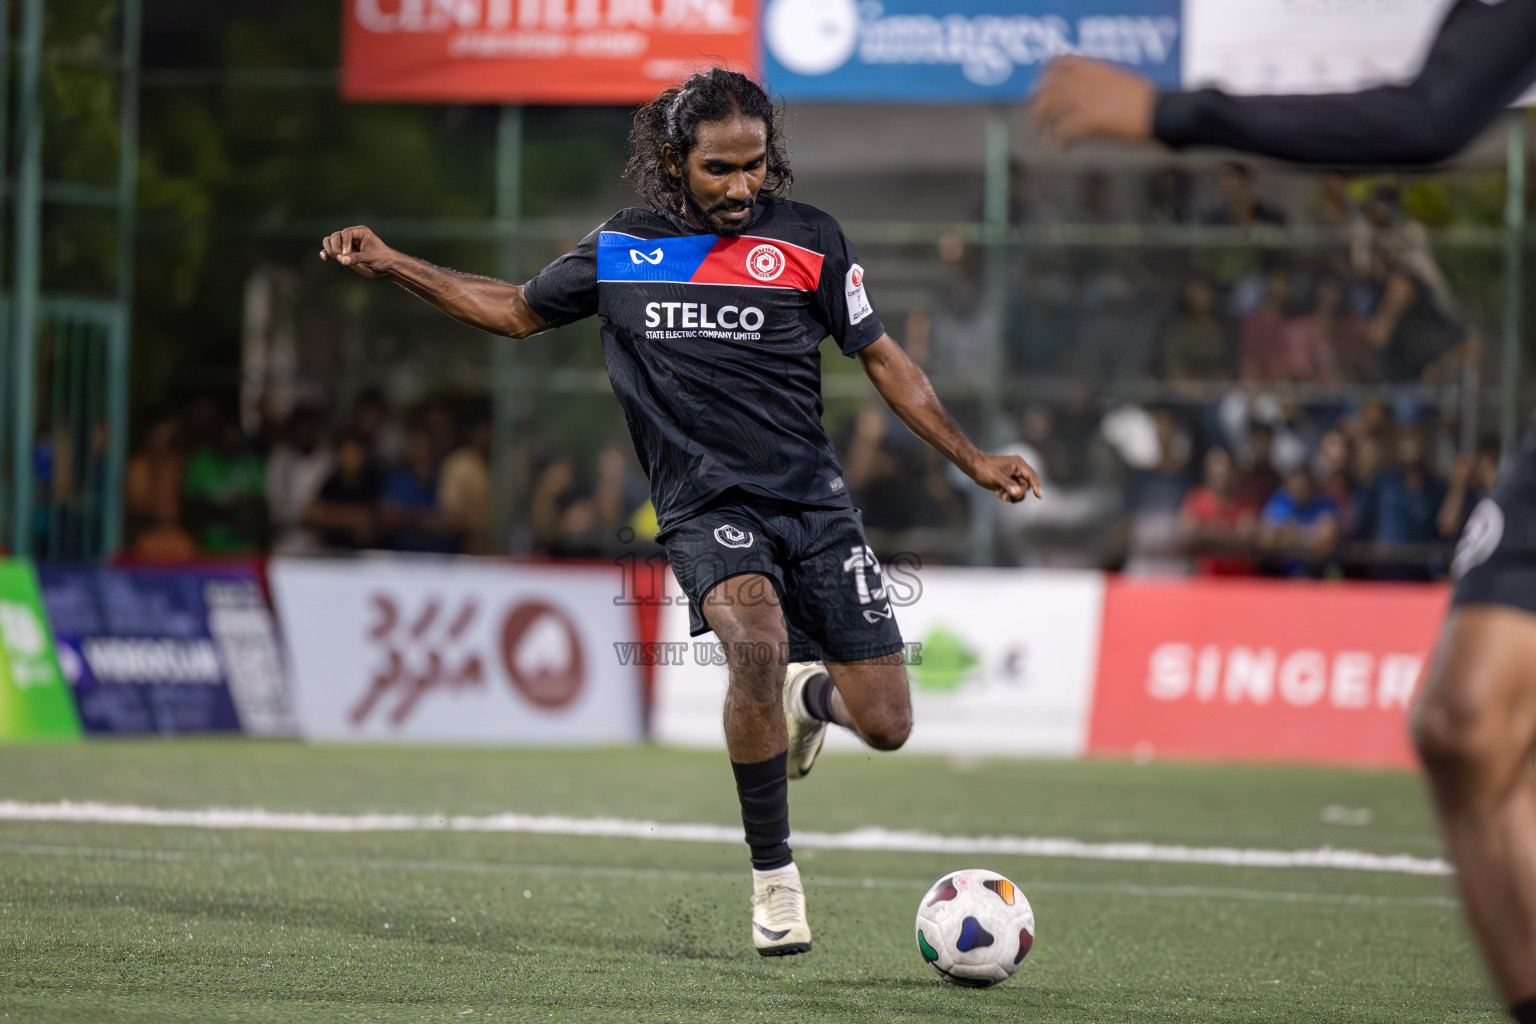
[(713, 347)]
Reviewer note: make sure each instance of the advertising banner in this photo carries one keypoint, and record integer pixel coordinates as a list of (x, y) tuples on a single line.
[(538, 51), (1263, 670), (169, 650), (34, 701), (1308, 46), (956, 51), (460, 651), (1001, 661)]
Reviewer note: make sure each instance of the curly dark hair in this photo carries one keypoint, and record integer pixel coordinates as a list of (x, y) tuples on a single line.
[(673, 119)]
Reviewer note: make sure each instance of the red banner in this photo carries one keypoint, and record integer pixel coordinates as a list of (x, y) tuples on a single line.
[(538, 51), (1262, 670)]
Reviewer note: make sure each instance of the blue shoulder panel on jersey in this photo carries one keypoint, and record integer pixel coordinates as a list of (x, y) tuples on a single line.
[(623, 257)]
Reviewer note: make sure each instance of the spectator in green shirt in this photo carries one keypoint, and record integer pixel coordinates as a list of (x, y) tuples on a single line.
[(225, 493)]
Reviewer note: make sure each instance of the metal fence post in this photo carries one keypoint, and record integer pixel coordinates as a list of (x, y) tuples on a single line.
[(120, 336), (994, 300), (6, 353), (509, 193), (29, 212), (1514, 277)]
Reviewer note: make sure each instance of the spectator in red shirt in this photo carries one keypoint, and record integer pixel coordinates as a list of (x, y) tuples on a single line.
[(1309, 338), (1331, 466), (1216, 523), (1258, 483), (1266, 348)]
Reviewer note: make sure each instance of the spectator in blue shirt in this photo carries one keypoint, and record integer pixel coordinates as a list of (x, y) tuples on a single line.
[(1401, 508), (1299, 527), (411, 518)]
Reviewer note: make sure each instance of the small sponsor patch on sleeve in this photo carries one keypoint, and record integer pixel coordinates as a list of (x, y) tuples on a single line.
[(858, 302)]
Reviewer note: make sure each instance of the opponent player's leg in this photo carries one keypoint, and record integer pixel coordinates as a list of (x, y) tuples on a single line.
[(745, 613), (1475, 728)]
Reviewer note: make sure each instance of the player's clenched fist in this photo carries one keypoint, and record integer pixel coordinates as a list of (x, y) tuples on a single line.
[(1008, 476), (358, 248), (1082, 99)]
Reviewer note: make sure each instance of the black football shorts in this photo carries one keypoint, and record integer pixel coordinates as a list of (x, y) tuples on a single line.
[(820, 567), (1495, 561)]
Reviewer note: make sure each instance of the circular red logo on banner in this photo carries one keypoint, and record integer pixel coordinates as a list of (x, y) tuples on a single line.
[(550, 686), (766, 262)]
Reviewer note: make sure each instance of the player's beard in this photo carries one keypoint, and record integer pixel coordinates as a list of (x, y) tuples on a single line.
[(707, 217)]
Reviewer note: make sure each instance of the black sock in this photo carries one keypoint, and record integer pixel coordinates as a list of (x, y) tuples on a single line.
[(764, 791), (818, 698), (1524, 1013)]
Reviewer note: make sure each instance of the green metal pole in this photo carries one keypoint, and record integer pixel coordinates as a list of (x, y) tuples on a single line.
[(24, 298), (504, 359), (120, 337), (1514, 277), (994, 303), (6, 353)]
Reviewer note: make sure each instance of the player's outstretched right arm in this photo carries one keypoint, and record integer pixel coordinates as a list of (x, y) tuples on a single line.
[(483, 302)]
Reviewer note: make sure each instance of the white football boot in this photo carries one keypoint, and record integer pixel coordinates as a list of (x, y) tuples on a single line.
[(806, 734), (779, 927)]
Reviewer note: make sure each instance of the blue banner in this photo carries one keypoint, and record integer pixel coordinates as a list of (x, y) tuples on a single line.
[(160, 651), (956, 51)]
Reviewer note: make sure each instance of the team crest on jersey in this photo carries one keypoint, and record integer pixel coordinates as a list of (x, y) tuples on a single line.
[(732, 537), (766, 262)]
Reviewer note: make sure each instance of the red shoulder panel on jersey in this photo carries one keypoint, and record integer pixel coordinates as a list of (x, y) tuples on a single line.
[(763, 262)]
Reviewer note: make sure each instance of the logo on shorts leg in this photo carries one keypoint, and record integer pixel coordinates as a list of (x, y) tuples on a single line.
[(1485, 529), (865, 569), (729, 536)]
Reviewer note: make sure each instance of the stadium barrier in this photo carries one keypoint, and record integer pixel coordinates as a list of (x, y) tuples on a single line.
[(460, 651), (1262, 670), (35, 702), (1019, 662), (169, 649), (1002, 662)]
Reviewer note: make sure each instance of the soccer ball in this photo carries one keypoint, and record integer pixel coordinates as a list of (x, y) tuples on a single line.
[(975, 927)]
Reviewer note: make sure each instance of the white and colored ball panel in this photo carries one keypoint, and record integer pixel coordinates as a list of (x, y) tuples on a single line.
[(975, 927)]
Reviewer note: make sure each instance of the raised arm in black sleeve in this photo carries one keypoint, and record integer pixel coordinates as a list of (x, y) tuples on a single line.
[(1482, 60)]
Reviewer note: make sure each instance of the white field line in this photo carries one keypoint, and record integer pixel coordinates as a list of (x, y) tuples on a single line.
[(866, 839), (514, 868)]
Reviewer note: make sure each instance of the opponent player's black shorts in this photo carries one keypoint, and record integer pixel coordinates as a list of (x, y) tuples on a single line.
[(1495, 561), (824, 574)]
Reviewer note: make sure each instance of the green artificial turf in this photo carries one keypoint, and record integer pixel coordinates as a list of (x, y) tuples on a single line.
[(119, 923)]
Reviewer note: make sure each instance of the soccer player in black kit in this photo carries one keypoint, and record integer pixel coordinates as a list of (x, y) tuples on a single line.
[(714, 301), (1475, 722)]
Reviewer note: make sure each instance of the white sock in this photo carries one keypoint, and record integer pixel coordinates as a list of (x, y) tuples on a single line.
[(787, 869)]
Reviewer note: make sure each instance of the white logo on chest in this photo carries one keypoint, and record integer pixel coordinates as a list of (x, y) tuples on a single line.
[(766, 262), (698, 315), (637, 257)]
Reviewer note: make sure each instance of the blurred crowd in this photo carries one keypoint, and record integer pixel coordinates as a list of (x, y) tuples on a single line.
[(1285, 411), (416, 480), (1372, 306), (1292, 410)]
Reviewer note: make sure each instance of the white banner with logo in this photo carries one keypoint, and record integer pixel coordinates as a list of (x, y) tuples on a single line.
[(458, 651), (1001, 661), (1307, 46)]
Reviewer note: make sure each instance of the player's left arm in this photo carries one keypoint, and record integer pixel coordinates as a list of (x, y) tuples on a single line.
[(907, 390)]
